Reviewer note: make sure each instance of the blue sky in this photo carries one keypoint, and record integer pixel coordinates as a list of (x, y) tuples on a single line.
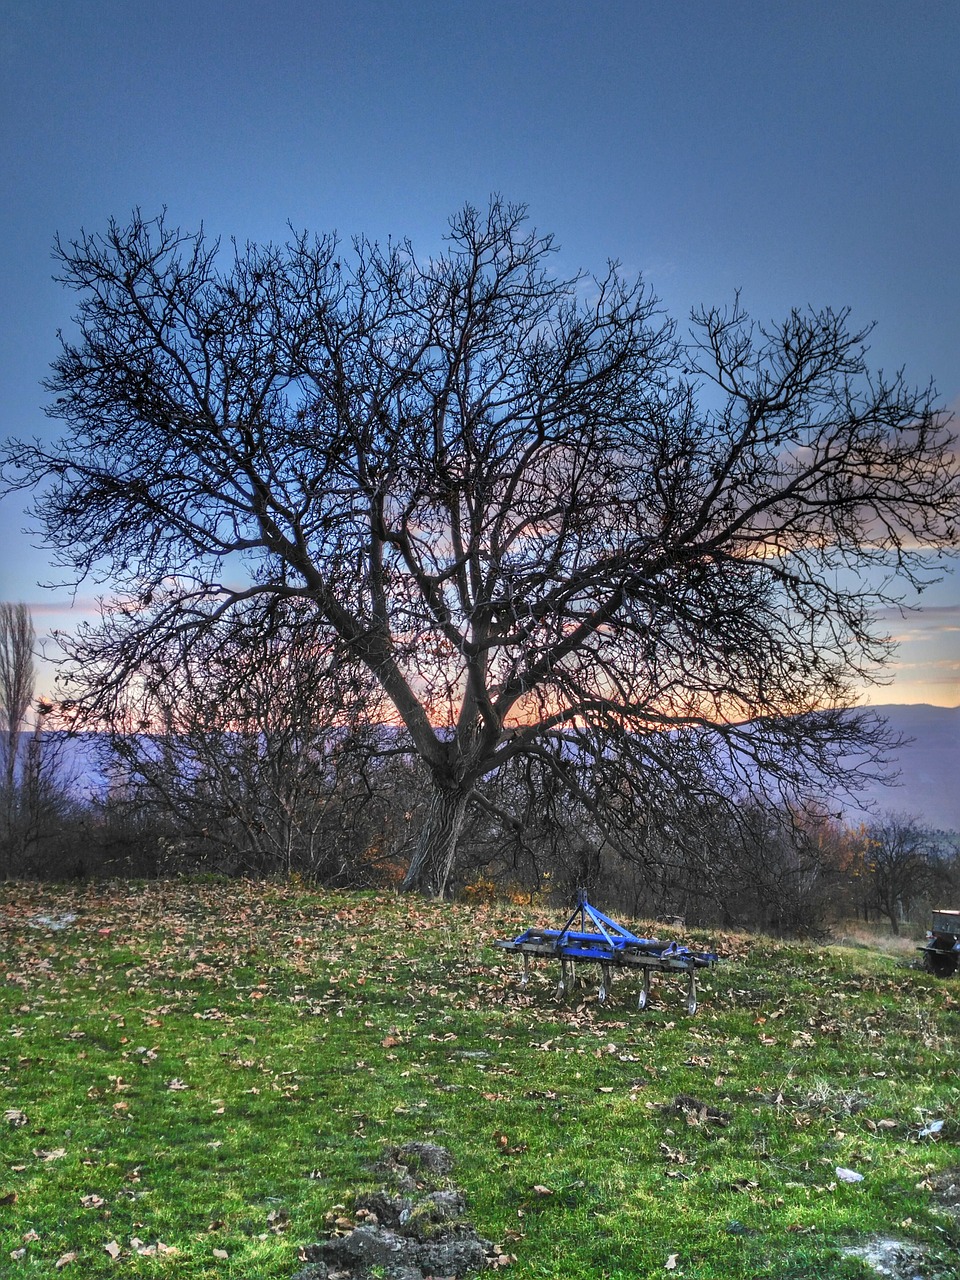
[(802, 152)]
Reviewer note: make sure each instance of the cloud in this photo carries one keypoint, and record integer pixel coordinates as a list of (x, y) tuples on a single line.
[(63, 606)]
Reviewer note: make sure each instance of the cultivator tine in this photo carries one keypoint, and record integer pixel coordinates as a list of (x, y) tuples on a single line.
[(644, 998), (691, 993)]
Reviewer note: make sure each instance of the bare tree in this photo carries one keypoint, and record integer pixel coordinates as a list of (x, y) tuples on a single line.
[(17, 641), (250, 741), (548, 526), (902, 864)]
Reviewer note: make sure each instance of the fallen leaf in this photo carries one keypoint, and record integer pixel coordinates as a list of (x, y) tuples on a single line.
[(15, 1117), (92, 1202), (543, 1191), (64, 1260), (46, 1156), (671, 1263), (113, 1249), (220, 1253), (503, 1142)]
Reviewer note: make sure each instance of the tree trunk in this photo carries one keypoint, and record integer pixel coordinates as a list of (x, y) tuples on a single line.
[(436, 848)]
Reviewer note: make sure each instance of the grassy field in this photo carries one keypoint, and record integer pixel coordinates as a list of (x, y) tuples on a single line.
[(193, 1079)]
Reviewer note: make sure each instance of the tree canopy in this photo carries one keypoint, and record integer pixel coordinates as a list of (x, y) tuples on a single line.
[(554, 529)]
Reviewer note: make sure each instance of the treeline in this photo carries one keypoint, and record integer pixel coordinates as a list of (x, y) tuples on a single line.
[(341, 810), (263, 753)]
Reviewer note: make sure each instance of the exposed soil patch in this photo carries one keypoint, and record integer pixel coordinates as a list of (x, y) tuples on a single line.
[(411, 1228), (899, 1260), (946, 1190)]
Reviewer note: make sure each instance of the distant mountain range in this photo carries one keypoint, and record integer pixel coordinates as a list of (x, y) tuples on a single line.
[(928, 787)]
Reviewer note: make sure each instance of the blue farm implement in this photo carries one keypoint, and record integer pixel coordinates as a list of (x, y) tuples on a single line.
[(591, 937)]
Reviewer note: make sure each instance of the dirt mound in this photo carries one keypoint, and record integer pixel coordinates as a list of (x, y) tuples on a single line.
[(412, 1227), (946, 1189)]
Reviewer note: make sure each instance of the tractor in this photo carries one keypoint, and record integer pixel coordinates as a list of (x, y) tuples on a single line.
[(941, 951)]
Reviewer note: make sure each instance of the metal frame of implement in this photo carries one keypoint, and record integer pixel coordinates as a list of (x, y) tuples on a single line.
[(611, 946)]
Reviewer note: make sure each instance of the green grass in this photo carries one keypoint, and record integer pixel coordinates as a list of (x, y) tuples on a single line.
[(209, 1068)]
